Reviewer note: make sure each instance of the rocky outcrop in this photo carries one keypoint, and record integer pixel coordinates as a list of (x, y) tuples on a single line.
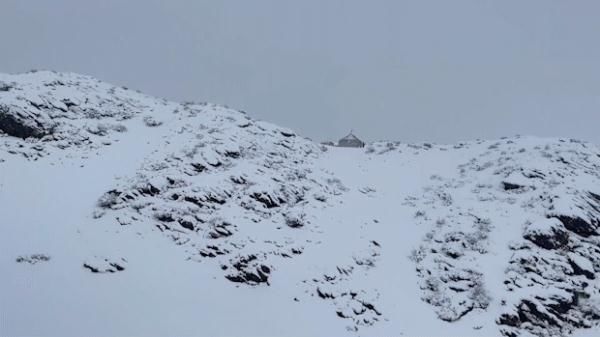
[(354, 303), (547, 234), (57, 111), (12, 124), (511, 227), (541, 192), (103, 265), (248, 270), (33, 258), (233, 186)]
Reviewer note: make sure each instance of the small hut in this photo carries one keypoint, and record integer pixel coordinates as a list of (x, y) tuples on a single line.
[(351, 141)]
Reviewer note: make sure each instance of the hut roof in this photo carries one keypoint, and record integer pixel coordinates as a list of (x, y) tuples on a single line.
[(351, 137)]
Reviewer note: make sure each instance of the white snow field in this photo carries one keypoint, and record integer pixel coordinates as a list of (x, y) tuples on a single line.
[(127, 215)]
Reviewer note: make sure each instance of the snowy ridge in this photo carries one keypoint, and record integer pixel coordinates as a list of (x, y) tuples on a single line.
[(197, 215), (229, 188), (67, 110), (534, 200)]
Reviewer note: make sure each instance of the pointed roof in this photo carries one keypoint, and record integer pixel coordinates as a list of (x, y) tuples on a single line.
[(351, 137)]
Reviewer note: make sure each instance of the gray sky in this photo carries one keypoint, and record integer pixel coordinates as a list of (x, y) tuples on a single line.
[(404, 70)]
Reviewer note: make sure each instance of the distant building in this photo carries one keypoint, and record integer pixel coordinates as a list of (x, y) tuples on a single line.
[(351, 141)]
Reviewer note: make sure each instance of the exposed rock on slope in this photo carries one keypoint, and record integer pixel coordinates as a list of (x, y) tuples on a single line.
[(504, 234), (219, 184), (56, 110), (225, 187), (548, 195)]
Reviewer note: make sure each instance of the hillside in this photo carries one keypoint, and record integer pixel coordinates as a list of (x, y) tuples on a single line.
[(123, 214)]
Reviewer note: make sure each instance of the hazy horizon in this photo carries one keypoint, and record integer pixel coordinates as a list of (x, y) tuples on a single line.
[(403, 70)]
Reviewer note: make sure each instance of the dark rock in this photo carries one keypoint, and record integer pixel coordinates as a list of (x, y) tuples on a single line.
[(33, 259), (577, 270), (265, 199), (534, 174), (509, 319), (214, 251), (562, 305), (13, 126), (249, 278), (249, 271), (555, 238), (186, 224), (109, 199), (5, 87), (104, 265), (528, 312), (118, 267), (371, 307), (324, 295), (214, 199), (91, 268), (149, 189), (510, 186), (578, 225), (198, 167), (263, 273), (220, 229), (194, 201), (238, 180), (294, 221), (232, 154), (236, 278), (164, 217), (219, 232)]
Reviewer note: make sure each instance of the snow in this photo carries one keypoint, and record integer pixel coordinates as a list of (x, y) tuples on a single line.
[(543, 226), (582, 262), (393, 239)]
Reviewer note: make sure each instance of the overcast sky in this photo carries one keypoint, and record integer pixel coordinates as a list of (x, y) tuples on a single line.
[(405, 70)]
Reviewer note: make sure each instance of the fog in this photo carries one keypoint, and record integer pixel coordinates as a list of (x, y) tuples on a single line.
[(437, 71)]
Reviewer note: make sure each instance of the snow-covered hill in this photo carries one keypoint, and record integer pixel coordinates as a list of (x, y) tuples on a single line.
[(123, 214)]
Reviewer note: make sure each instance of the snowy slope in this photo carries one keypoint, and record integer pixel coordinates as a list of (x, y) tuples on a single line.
[(124, 214)]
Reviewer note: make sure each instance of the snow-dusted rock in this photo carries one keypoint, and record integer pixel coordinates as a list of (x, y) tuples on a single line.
[(547, 233), (197, 209), (549, 279)]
